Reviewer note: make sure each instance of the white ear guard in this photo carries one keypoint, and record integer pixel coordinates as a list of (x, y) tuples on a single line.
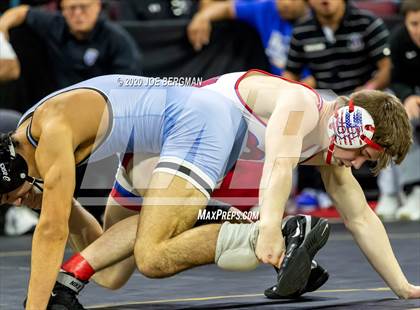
[(351, 127)]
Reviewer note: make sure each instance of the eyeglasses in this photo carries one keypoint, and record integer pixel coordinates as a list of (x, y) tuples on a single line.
[(73, 8)]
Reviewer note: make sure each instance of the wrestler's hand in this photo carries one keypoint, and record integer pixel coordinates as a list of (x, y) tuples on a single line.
[(412, 106), (199, 31), (270, 245)]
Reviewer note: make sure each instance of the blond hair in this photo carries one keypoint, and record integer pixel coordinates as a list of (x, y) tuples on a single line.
[(393, 128)]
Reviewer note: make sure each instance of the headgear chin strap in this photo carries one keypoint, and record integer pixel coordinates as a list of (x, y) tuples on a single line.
[(13, 168), (351, 127)]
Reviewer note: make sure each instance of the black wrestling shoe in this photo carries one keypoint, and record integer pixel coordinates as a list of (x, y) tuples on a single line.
[(304, 237), (63, 298), (317, 278), (65, 291)]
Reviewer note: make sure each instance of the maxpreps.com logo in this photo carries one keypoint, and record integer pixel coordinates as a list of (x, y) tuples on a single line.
[(4, 172)]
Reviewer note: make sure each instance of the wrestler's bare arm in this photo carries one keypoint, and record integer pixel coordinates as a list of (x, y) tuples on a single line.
[(365, 226), (55, 162), (293, 118)]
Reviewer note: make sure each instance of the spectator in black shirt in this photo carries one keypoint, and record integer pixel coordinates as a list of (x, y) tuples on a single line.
[(81, 44), (342, 46)]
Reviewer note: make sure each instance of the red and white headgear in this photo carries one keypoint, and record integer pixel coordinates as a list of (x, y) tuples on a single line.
[(351, 127)]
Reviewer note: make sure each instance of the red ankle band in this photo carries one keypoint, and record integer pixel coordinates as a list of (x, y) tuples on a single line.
[(79, 267)]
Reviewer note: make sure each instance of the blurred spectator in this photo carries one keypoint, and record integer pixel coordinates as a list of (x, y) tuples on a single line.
[(405, 82), (9, 64), (342, 46), (272, 18), (405, 52), (390, 193), (156, 9), (81, 44)]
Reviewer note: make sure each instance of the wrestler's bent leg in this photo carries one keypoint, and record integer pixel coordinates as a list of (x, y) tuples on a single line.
[(118, 274), (166, 242)]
